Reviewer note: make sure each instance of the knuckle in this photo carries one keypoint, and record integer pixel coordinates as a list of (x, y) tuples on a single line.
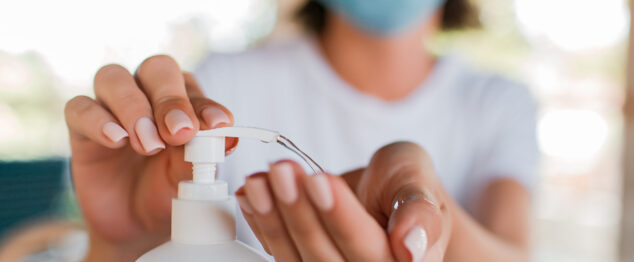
[(78, 106), (189, 77), (163, 104), (505, 184), (346, 235), (301, 230), (200, 103), (273, 232), (157, 61), (171, 100), (191, 85), (133, 108), (110, 71), (306, 234), (402, 147), (109, 76)]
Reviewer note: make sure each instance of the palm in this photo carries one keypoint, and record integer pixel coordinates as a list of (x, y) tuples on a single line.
[(124, 195)]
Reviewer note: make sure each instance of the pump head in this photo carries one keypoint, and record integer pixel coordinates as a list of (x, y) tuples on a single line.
[(208, 148)]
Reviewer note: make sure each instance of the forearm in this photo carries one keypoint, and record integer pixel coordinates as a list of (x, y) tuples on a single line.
[(471, 241)]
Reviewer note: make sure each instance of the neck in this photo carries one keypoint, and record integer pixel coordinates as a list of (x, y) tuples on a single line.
[(389, 68)]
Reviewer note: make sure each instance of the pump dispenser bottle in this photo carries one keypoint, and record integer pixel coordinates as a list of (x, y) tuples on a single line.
[(203, 219)]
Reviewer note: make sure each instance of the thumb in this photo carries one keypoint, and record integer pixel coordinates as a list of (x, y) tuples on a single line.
[(418, 226)]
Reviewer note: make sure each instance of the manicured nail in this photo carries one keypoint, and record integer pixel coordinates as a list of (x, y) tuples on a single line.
[(114, 132), (319, 190), (259, 195), (416, 243), (244, 204), (214, 117), (283, 182), (148, 135), (231, 150), (176, 120)]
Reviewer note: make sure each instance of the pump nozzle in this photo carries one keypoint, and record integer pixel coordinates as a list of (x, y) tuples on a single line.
[(266, 136), (208, 148)]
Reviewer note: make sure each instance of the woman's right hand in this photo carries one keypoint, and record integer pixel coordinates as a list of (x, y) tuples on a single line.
[(127, 154)]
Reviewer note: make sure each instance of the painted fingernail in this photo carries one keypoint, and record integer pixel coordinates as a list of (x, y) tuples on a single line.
[(215, 116), (283, 182), (148, 135), (416, 243), (176, 120), (319, 190), (231, 150), (244, 204), (259, 195), (114, 132)]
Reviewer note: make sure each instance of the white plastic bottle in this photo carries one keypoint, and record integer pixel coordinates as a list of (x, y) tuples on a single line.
[(203, 220)]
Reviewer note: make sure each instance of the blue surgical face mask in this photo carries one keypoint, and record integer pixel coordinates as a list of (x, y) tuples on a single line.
[(385, 17)]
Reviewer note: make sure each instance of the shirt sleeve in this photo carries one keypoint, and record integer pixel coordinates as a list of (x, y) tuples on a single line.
[(505, 142)]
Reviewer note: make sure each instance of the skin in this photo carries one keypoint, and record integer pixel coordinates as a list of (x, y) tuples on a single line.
[(125, 192)]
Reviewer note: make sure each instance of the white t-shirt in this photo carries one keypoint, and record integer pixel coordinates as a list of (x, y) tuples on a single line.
[(475, 125)]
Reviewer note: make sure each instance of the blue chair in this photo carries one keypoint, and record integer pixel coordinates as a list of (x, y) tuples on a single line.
[(30, 191)]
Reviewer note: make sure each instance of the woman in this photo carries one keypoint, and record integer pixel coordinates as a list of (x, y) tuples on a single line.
[(360, 81)]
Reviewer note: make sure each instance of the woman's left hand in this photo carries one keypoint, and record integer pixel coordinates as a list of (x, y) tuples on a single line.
[(393, 210)]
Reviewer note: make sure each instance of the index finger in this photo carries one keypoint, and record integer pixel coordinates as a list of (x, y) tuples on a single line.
[(211, 113), (161, 79)]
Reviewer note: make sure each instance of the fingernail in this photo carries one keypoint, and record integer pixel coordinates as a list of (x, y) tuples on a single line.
[(231, 150), (283, 182), (214, 116), (319, 190), (176, 120), (416, 243), (114, 132), (244, 204), (259, 195), (148, 135)]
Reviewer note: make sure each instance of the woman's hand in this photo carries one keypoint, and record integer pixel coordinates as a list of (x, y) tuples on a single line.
[(127, 157), (393, 210)]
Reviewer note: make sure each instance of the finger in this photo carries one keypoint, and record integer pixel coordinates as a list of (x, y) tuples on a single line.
[(300, 217), (356, 233), (409, 201), (416, 224), (268, 219), (161, 79), (247, 212), (352, 178), (117, 90), (83, 114), (211, 114)]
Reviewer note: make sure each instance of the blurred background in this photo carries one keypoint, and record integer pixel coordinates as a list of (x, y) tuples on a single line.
[(572, 53)]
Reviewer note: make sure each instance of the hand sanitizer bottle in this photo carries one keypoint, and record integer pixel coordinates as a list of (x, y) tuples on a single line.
[(203, 220)]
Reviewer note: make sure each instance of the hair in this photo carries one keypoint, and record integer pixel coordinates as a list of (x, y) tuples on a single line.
[(458, 14)]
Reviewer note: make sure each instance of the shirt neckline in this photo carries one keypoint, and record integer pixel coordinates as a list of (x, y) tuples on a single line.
[(334, 86)]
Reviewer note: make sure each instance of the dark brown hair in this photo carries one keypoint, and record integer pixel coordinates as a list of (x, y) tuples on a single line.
[(458, 14)]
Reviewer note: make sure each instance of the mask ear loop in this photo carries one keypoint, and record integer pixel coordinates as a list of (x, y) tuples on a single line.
[(288, 144)]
